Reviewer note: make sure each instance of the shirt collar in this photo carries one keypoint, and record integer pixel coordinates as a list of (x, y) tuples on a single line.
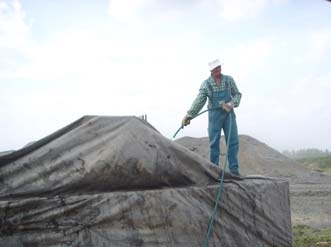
[(212, 80)]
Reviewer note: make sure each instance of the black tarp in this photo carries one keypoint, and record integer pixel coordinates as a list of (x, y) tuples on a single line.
[(116, 181)]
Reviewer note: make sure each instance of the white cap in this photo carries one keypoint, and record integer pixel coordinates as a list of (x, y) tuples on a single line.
[(213, 64)]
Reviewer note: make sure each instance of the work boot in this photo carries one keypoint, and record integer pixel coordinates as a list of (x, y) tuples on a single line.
[(236, 173)]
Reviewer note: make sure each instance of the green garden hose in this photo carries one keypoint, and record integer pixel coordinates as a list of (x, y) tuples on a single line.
[(219, 191), (220, 187), (182, 127)]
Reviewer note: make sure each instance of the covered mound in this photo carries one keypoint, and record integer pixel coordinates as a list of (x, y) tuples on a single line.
[(102, 154), (116, 181)]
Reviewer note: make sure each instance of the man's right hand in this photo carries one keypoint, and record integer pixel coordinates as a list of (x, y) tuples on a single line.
[(186, 120)]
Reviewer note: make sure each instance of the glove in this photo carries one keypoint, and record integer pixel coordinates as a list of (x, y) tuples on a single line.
[(226, 106), (186, 120)]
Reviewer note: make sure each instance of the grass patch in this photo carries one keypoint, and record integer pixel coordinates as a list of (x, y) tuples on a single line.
[(321, 164), (305, 236)]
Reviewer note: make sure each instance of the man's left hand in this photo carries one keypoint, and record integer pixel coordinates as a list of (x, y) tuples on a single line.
[(227, 106)]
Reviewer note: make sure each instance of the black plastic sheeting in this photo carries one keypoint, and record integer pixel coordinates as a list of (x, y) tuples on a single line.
[(116, 181)]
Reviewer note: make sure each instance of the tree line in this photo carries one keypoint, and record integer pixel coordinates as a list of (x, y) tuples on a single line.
[(306, 153)]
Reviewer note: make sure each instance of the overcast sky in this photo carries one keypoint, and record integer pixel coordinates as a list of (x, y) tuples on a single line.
[(60, 60)]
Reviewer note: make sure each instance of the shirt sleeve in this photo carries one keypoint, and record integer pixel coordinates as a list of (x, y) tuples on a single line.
[(235, 94), (199, 101)]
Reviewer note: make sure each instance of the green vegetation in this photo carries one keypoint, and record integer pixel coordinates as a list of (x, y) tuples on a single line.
[(321, 164), (306, 153), (305, 236), (313, 159)]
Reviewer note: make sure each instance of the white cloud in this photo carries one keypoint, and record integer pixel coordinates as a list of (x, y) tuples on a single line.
[(248, 58), (127, 10), (237, 9), (67, 55), (77, 72), (15, 37), (298, 116), (320, 45), (309, 47), (233, 10), (13, 29)]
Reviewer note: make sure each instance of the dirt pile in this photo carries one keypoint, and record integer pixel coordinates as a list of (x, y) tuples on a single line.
[(254, 157)]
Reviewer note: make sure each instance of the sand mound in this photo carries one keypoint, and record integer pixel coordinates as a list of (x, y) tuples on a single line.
[(254, 157)]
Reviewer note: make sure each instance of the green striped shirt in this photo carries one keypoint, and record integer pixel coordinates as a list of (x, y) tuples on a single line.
[(201, 99)]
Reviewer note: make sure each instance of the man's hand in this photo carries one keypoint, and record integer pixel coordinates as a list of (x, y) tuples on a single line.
[(226, 106), (186, 120)]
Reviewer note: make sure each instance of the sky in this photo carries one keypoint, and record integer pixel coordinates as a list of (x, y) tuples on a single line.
[(61, 60)]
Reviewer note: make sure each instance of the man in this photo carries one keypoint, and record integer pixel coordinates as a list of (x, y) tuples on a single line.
[(223, 96)]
